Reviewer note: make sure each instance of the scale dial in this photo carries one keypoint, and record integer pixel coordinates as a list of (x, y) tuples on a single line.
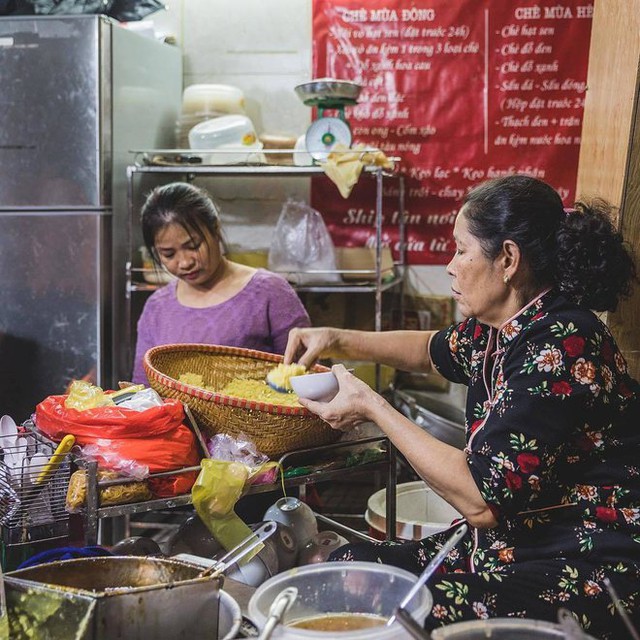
[(324, 134)]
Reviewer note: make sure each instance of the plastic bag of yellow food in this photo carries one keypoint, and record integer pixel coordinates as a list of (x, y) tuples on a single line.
[(114, 494), (83, 395)]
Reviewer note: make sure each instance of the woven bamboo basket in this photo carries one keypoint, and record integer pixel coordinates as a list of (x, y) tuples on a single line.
[(275, 429)]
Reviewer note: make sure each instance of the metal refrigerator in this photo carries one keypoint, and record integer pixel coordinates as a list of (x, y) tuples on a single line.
[(76, 94)]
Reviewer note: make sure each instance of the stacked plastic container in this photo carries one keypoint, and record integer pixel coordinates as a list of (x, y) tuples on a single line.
[(201, 102)]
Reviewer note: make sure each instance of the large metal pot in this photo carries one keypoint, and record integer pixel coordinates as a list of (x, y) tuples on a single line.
[(131, 597), (441, 420)]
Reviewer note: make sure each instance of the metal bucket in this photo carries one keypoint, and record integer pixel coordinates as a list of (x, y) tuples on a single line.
[(420, 512), (441, 420), (503, 629), (118, 597)]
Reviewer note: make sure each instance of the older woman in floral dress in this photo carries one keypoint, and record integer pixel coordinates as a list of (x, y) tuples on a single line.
[(549, 479)]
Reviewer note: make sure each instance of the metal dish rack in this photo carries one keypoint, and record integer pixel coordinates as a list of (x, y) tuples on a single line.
[(31, 511)]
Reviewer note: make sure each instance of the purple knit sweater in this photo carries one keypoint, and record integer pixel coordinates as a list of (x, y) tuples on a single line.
[(257, 317)]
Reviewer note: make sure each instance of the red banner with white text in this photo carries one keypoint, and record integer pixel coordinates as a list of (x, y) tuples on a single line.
[(461, 92)]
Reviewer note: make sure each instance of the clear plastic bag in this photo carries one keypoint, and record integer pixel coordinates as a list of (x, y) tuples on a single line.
[(302, 244)]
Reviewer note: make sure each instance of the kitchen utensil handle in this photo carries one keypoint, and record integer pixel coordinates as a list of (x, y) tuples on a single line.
[(278, 608), (436, 561), (56, 459), (241, 549), (633, 632), (410, 625)]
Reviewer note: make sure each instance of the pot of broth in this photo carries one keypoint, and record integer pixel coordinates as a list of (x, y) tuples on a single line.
[(119, 597), (353, 598), (339, 622)]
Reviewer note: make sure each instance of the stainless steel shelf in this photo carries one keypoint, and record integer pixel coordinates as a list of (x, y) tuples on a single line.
[(143, 165), (376, 286), (370, 287), (337, 287), (145, 162), (306, 459)]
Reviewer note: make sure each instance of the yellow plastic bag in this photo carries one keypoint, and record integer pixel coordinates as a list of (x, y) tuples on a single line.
[(218, 487)]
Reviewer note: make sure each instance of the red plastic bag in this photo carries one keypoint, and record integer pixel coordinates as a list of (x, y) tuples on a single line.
[(156, 438)]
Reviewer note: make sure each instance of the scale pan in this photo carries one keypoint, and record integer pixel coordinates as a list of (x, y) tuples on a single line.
[(328, 89)]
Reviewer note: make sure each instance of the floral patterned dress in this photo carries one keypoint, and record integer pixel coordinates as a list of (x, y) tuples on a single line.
[(553, 444)]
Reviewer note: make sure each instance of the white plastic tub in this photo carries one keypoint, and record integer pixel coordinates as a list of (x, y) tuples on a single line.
[(341, 587), (211, 98), (420, 512)]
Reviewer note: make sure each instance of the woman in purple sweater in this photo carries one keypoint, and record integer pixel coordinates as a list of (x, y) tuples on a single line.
[(212, 300)]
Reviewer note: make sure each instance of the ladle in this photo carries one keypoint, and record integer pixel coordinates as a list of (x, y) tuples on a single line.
[(238, 552), (281, 604), (633, 632), (431, 568), (410, 625)]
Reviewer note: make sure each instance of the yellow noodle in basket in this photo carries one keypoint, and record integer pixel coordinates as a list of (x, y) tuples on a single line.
[(255, 390)]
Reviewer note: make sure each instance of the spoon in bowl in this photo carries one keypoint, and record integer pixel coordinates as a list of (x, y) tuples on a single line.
[(430, 569), (633, 632), (281, 604)]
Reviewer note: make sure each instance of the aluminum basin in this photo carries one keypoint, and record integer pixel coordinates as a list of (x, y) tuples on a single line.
[(130, 597)]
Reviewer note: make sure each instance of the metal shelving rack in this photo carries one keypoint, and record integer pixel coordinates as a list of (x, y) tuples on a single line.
[(143, 165)]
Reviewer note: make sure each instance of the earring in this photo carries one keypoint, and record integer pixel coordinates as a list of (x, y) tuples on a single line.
[(505, 279)]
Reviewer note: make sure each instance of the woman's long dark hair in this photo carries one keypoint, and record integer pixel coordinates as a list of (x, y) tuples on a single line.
[(578, 251), (179, 203)]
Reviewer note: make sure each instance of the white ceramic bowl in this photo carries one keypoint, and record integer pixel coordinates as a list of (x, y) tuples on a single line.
[(235, 154), (233, 130), (315, 386), (296, 515)]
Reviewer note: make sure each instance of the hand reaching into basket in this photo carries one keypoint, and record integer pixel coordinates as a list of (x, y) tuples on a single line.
[(305, 346)]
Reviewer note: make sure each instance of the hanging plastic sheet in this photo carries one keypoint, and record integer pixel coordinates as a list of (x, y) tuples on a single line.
[(123, 10)]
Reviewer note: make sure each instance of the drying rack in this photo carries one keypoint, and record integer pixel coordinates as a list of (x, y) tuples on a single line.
[(31, 511)]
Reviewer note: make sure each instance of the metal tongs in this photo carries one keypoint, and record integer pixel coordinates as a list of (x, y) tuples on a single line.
[(242, 549)]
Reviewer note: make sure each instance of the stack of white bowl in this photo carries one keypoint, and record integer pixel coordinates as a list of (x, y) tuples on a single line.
[(230, 139), (202, 102)]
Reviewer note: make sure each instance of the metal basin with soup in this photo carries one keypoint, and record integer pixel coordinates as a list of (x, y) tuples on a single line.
[(131, 597)]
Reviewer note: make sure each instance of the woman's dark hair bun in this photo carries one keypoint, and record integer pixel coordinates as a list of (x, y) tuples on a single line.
[(595, 267)]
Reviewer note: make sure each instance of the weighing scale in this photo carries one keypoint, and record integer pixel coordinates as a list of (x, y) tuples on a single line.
[(325, 132)]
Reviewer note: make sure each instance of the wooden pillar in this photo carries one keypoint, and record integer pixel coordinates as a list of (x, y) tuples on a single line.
[(609, 165)]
